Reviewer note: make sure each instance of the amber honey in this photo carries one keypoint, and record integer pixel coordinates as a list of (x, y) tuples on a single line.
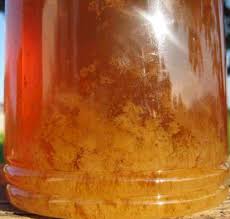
[(115, 108)]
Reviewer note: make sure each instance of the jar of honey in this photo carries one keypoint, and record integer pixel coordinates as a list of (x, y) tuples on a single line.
[(115, 108)]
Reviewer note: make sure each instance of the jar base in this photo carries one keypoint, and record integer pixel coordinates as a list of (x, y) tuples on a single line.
[(198, 191)]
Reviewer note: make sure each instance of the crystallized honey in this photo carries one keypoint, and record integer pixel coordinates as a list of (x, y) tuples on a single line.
[(115, 108)]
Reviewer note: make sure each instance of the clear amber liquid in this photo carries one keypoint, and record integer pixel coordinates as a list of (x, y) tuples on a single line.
[(115, 109)]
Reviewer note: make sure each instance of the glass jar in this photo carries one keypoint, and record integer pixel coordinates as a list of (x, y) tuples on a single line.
[(115, 108)]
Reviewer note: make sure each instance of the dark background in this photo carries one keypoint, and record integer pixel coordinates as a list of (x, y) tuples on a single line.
[(2, 5), (227, 23)]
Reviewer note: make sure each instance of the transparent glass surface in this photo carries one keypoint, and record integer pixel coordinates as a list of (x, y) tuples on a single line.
[(115, 108)]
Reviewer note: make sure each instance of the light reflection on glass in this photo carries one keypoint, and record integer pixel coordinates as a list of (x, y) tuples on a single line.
[(159, 24)]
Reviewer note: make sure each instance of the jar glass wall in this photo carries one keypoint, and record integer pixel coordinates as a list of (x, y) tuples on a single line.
[(115, 108)]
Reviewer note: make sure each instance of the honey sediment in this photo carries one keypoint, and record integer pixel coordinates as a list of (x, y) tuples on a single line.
[(114, 133)]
